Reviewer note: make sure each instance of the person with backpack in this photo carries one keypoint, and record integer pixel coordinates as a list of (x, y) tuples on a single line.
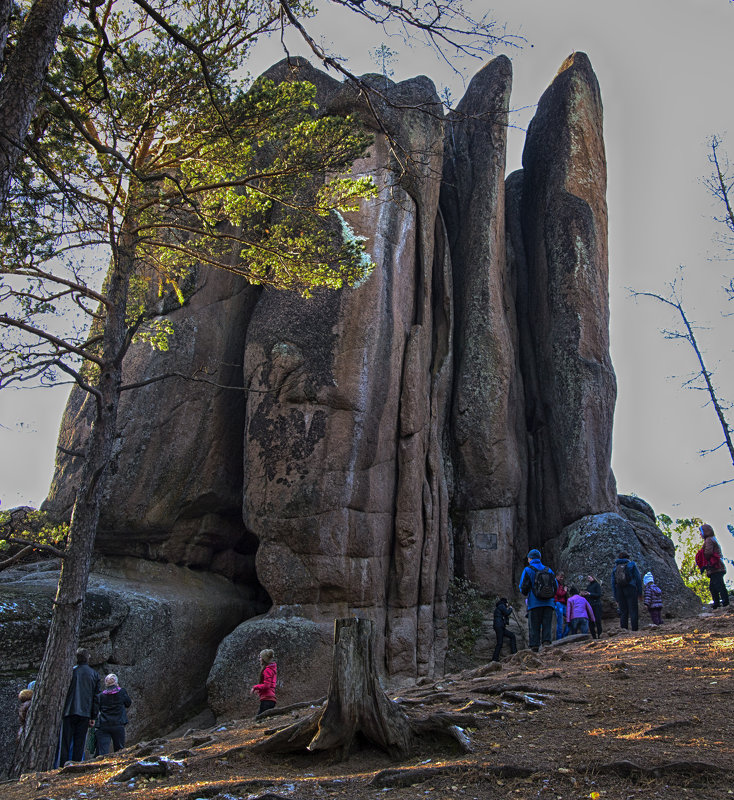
[(713, 565), (653, 597), (538, 584), (627, 590), (501, 617)]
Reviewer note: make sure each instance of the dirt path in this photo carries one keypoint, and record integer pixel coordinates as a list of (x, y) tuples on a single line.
[(635, 715)]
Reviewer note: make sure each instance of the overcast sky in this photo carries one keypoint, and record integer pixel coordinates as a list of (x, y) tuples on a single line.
[(665, 70)]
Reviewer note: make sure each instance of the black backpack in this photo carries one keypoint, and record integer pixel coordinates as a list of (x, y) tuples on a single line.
[(544, 584), (622, 575)]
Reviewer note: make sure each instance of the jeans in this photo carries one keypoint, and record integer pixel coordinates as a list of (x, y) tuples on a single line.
[(579, 625), (561, 628), (501, 633), (114, 734), (540, 625), (719, 594), (628, 611)]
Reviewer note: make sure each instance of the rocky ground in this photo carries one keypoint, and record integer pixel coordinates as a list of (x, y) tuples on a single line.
[(633, 715)]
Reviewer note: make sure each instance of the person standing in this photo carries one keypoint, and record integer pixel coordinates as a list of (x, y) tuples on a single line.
[(268, 679), (593, 595), (110, 709), (560, 599), (653, 597), (24, 698), (627, 590), (539, 585), (78, 715), (501, 617), (579, 613), (715, 568)]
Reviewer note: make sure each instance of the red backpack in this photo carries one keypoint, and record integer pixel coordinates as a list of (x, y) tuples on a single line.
[(702, 562)]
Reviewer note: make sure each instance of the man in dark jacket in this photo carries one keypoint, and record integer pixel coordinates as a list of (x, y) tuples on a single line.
[(627, 590), (501, 617), (78, 708), (593, 595)]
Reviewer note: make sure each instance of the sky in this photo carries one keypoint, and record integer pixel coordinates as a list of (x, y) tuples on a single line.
[(664, 68)]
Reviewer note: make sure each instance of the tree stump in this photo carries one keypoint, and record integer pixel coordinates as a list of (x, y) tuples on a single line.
[(356, 704)]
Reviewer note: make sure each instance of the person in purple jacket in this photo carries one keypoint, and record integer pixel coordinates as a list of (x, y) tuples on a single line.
[(578, 612)]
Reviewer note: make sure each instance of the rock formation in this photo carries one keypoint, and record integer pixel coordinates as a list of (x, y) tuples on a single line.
[(597, 539), (436, 421), (157, 626)]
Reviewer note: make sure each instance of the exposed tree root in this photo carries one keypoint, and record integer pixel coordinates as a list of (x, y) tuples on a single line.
[(356, 704), (687, 768), (401, 777)]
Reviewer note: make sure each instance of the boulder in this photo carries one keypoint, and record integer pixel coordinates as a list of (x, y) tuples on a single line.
[(591, 544), (157, 626), (634, 503), (303, 653)]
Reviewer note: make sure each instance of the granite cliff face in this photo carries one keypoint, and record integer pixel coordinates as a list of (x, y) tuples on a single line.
[(435, 421)]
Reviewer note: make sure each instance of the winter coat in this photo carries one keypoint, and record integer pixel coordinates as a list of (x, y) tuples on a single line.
[(501, 615), (82, 691), (594, 598), (634, 574), (110, 707), (529, 575), (711, 546), (23, 712), (653, 596), (578, 608), (268, 679), (561, 594)]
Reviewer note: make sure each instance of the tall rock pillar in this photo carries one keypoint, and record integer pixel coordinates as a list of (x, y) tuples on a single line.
[(486, 414), (564, 310)]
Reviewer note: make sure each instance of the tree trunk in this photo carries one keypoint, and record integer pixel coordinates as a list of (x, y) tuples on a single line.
[(356, 701), (37, 748), (21, 84), (356, 704)]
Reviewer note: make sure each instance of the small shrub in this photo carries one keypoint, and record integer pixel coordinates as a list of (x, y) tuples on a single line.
[(468, 609)]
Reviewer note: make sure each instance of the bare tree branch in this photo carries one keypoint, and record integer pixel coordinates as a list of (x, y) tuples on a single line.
[(673, 301)]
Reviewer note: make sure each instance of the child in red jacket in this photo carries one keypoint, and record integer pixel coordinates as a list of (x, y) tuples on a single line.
[(268, 678)]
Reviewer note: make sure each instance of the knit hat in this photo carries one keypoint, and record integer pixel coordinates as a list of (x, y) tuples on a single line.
[(647, 578), (533, 554), (706, 530), (110, 680)]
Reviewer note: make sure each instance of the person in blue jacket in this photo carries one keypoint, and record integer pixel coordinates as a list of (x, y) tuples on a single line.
[(627, 590), (541, 611)]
